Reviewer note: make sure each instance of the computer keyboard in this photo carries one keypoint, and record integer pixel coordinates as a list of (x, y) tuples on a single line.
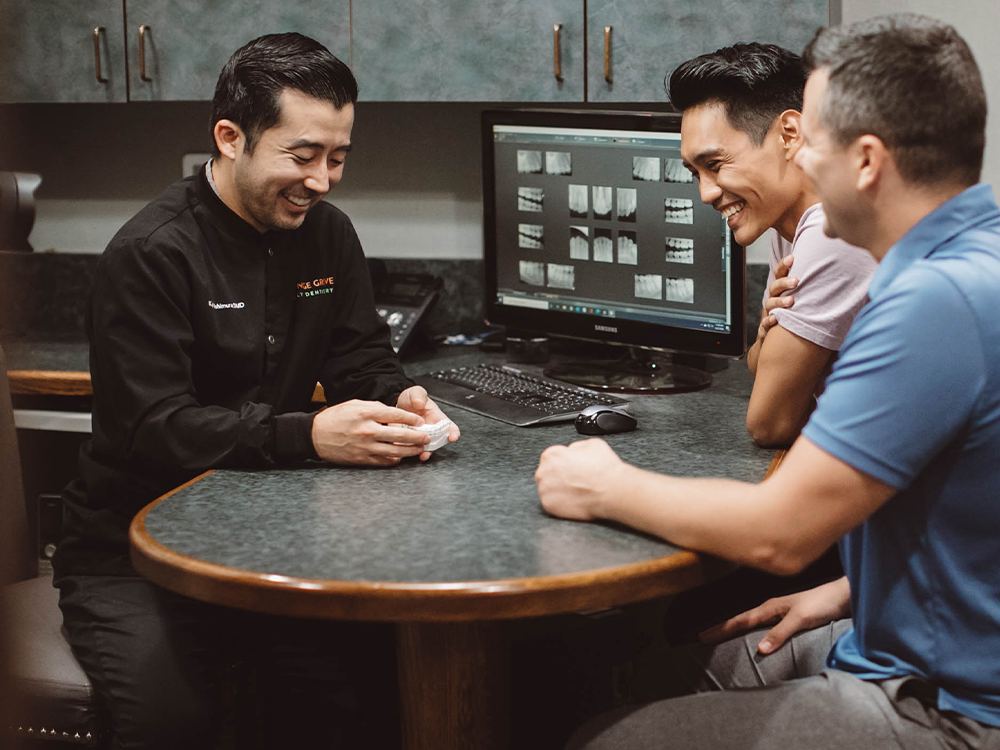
[(512, 396)]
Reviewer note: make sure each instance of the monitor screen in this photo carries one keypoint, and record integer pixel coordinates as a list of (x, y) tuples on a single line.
[(594, 229)]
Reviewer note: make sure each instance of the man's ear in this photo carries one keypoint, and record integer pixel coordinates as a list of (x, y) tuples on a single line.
[(229, 138), (790, 131), (871, 159)]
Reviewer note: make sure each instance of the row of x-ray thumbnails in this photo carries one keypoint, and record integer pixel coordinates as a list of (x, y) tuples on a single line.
[(648, 286), (644, 168)]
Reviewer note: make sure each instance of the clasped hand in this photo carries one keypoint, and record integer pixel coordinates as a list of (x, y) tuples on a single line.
[(361, 432), (575, 480)]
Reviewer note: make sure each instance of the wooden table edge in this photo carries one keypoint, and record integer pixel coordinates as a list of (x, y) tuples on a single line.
[(75, 383), (414, 601), (50, 382)]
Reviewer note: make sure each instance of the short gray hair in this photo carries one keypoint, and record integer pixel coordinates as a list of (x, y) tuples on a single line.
[(913, 82)]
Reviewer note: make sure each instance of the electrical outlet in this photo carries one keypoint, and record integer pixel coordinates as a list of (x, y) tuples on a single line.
[(191, 163)]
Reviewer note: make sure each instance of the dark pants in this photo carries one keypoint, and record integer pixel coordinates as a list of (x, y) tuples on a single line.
[(156, 658)]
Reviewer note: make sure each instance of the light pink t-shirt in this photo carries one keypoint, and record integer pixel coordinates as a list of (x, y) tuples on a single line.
[(833, 281)]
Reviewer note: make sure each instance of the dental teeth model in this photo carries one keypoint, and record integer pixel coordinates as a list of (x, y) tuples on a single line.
[(438, 432)]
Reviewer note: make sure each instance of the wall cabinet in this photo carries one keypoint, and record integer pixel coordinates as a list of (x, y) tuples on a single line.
[(419, 50), (458, 50), (632, 46), (141, 50), (62, 51), (176, 49)]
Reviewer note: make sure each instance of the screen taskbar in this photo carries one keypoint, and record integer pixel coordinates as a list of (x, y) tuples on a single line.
[(703, 321)]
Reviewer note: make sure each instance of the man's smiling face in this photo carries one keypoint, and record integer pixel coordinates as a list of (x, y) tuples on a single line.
[(751, 186), (293, 164)]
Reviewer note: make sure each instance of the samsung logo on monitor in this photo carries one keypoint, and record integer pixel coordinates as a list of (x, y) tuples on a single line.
[(605, 329)]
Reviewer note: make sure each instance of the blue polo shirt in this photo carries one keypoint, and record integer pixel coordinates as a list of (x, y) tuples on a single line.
[(914, 401)]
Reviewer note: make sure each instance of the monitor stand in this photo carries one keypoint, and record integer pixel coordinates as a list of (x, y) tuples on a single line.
[(638, 371)]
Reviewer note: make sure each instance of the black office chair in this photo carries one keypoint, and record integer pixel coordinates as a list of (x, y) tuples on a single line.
[(45, 697)]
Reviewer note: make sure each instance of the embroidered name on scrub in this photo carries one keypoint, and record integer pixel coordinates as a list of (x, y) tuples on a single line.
[(314, 287), (226, 305)]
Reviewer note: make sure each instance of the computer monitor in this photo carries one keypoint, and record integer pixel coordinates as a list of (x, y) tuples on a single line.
[(595, 230)]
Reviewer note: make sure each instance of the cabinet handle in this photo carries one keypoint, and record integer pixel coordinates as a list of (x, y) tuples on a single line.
[(556, 34), (98, 30), (607, 54), (142, 53)]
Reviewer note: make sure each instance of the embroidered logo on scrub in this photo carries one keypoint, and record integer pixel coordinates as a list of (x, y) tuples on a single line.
[(314, 287)]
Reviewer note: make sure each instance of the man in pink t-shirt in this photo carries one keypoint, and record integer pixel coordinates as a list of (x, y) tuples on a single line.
[(741, 129)]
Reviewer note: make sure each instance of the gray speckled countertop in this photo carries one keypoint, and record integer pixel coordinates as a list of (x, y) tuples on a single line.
[(469, 514), (57, 356)]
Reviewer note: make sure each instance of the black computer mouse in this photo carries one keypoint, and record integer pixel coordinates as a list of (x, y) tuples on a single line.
[(604, 420)]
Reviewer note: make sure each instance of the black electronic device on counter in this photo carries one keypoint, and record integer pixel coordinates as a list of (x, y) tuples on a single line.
[(402, 300)]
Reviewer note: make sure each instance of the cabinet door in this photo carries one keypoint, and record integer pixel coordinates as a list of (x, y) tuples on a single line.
[(47, 51), (459, 50), (185, 43), (649, 38)]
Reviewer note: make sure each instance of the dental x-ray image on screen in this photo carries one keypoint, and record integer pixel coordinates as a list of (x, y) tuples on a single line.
[(626, 204), (579, 243), (628, 250), (602, 202), (680, 290), (680, 250), (529, 162), (579, 201), (678, 211), (675, 171), (531, 236), (558, 162), (530, 199), (532, 272), (649, 286), (561, 276), (646, 168), (604, 250)]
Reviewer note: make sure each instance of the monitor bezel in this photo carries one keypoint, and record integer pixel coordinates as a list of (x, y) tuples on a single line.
[(618, 331)]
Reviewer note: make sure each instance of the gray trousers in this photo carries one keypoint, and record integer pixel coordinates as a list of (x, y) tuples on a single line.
[(745, 701)]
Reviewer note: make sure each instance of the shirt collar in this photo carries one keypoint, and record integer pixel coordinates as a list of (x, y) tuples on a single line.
[(211, 177), (228, 220), (973, 206)]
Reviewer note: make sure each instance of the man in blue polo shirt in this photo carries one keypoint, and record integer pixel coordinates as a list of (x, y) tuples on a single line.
[(899, 462)]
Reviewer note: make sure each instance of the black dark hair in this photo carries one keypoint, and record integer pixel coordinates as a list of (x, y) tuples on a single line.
[(249, 88), (911, 81), (754, 82)]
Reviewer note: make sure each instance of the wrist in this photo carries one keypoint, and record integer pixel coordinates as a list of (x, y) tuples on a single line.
[(604, 503)]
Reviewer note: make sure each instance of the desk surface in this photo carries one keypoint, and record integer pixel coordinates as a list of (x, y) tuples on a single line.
[(50, 368), (460, 537)]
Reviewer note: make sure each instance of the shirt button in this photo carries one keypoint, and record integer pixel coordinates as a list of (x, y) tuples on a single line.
[(270, 253), (271, 339)]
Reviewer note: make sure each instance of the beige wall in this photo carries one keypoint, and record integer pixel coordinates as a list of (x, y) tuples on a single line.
[(977, 21)]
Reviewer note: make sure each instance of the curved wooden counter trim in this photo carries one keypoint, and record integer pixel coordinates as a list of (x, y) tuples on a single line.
[(417, 602), (50, 382)]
